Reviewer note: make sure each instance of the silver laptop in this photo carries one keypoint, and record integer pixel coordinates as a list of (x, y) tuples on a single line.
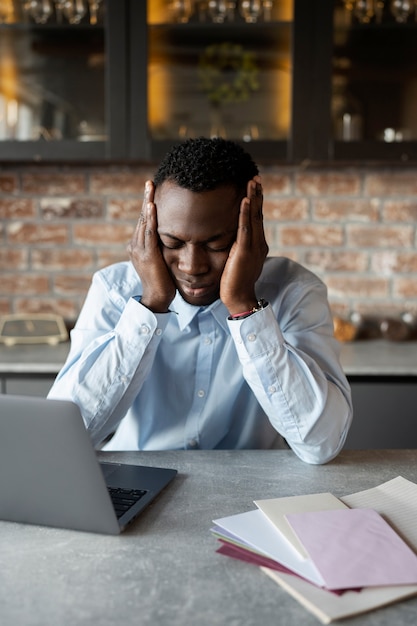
[(50, 474)]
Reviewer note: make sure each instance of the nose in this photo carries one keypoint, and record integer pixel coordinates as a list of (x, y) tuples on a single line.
[(192, 260)]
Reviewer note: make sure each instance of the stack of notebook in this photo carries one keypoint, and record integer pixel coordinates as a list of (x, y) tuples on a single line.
[(337, 556)]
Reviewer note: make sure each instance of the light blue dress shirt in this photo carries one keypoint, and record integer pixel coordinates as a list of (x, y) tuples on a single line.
[(193, 379)]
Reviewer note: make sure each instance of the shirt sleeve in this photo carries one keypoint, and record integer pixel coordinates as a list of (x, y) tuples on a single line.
[(112, 351), (290, 359)]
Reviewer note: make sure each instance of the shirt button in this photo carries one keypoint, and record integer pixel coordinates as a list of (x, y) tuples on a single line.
[(144, 330), (193, 444), (201, 393), (158, 331), (252, 337), (272, 389), (207, 341)]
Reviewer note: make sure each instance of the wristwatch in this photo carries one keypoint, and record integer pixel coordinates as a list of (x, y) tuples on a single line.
[(261, 304)]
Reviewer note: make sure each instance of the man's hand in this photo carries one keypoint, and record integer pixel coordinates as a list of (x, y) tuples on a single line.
[(145, 254), (247, 255)]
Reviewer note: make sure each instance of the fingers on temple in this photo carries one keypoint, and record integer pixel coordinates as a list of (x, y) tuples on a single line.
[(255, 196), (244, 230)]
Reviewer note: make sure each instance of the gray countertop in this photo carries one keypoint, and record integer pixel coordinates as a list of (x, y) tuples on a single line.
[(367, 357), (33, 358), (164, 570), (380, 357)]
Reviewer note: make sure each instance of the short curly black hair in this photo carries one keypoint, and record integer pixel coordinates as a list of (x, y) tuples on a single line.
[(203, 164)]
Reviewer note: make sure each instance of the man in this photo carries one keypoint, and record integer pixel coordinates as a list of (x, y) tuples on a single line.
[(201, 341)]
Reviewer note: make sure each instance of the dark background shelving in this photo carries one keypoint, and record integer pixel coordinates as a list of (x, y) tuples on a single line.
[(381, 59)]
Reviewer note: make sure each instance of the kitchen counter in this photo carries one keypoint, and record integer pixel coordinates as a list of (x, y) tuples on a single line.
[(367, 357), (379, 358), (381, 375), (30, 369), (33, 358)]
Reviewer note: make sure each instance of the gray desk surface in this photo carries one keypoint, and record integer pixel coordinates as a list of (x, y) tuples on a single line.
[(165, 570)]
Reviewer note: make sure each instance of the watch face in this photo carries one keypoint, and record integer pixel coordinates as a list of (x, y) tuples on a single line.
[(32, 329)]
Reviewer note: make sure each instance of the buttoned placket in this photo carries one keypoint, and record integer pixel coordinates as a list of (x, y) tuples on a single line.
[(203, 375)]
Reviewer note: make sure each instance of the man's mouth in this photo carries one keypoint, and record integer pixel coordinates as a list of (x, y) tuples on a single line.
[(195, 290)]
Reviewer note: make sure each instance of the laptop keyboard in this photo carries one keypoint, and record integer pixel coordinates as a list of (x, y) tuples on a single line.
[(123, 499)]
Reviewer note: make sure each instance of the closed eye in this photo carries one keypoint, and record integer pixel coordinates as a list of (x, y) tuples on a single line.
[(214, 244), (221, 249), (175, 246)]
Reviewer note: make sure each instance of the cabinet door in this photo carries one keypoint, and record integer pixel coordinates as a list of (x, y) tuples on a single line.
[(231, 69), (366, 77), (27, 385), (384, 413), (63, 80)]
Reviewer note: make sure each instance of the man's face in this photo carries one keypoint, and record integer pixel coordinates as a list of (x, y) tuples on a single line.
[(196, 232)]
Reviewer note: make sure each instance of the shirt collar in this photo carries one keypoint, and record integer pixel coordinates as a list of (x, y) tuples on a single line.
[(185, 312)]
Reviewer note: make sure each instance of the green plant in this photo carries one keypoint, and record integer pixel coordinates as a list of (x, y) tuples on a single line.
[(227, 73)]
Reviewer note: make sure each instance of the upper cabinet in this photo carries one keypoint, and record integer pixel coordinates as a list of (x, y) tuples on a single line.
[(366, 69), (63, 88), (294, 80), (218, 68)]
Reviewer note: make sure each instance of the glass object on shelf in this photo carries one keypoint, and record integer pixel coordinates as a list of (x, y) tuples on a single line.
[(267, 6), (220, 11), (379, 11), (39, 10), (52, 79), (347, 114), (364, 10), (394, 134), (402, 9), (74, 10), (95, 8), (254, 11), (251, 10), (181, 10), (212, 77), (54, 11)]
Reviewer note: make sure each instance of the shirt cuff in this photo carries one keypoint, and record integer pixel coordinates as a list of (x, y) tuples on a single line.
[(137, 317), (257, 334)]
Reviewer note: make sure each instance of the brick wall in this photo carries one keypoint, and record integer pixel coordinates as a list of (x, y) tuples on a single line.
[(354, 227)]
